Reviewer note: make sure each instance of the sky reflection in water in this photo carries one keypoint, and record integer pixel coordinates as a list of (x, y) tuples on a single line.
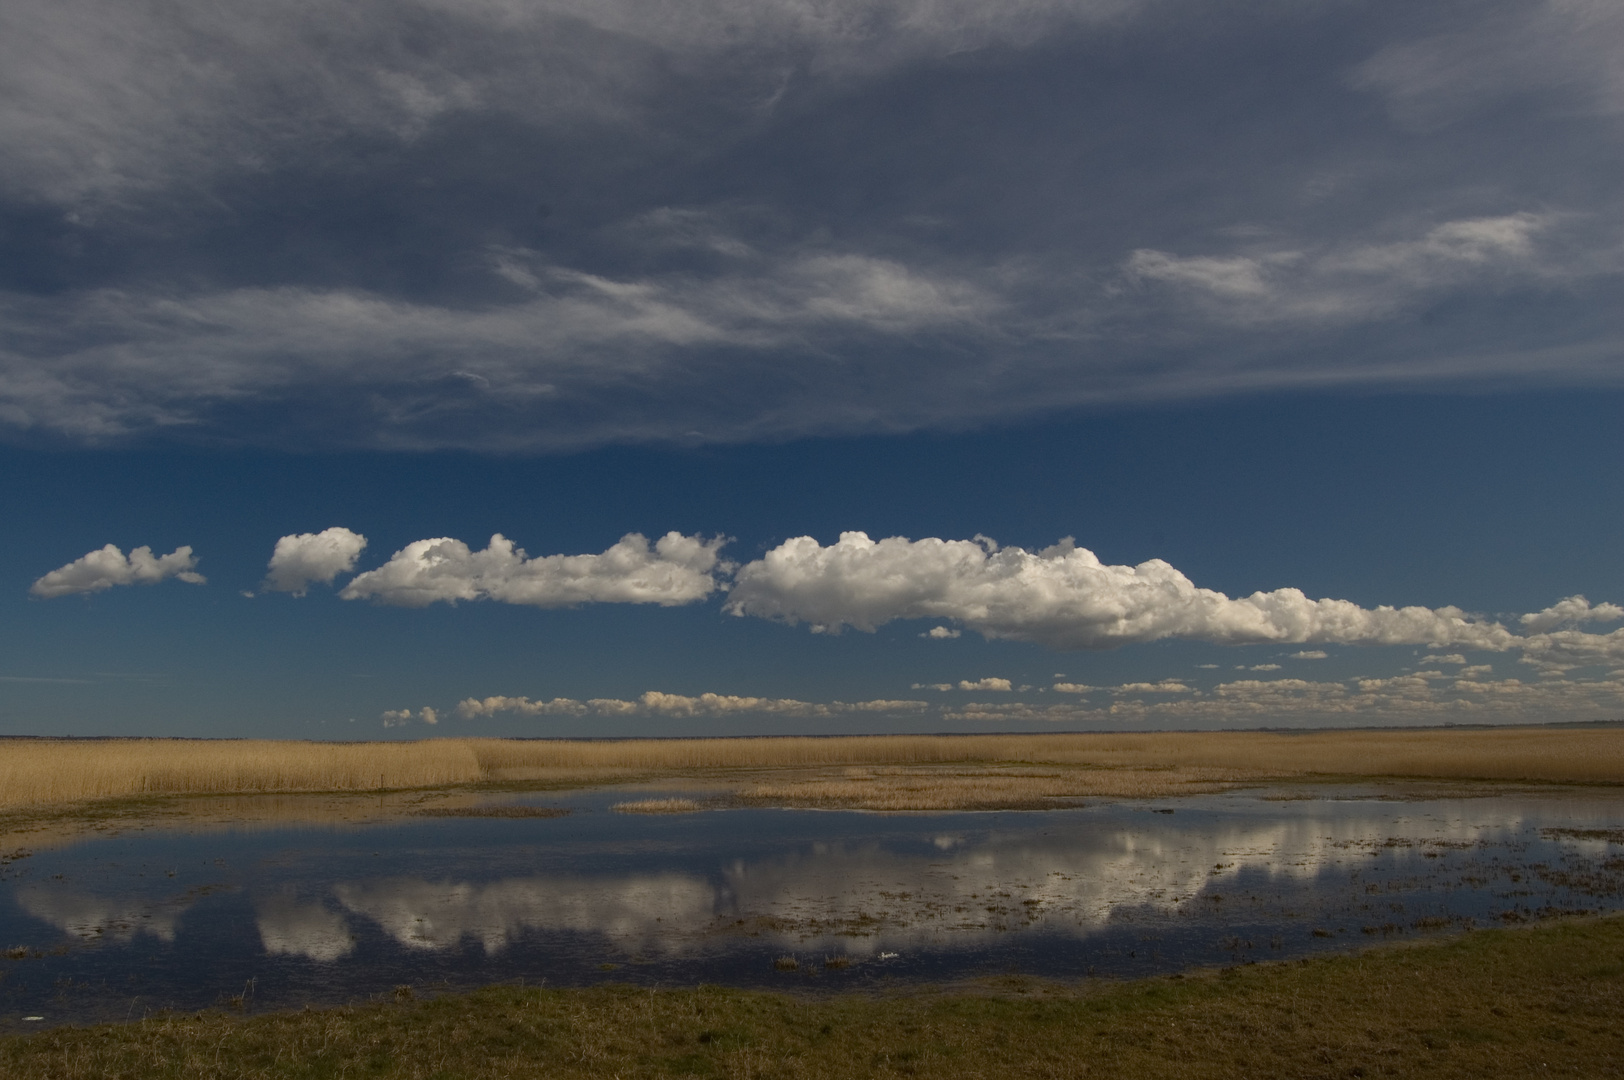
[(124, 926)]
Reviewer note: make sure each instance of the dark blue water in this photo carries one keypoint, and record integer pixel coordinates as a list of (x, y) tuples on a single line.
[(280, 917)]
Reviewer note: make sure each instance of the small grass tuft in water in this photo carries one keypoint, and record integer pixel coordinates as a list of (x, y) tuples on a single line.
[(786, 963), (239, 1001)]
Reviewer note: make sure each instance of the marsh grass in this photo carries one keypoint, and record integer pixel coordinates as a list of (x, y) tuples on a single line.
[(1538, 1001), (42, 827), (498, 811), (657, 806), (984, 788), (43, 772), (34, 772)]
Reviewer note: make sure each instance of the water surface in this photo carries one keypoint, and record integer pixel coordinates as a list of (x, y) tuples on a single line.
[(277, 917)]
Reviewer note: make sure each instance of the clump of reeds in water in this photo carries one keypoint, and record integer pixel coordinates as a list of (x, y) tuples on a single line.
[(657, 806)]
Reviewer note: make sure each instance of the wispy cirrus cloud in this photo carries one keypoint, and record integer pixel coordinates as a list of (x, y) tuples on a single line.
[(1568, 48), (1362, 281), (168, 95), (416, 374), (550, 225)]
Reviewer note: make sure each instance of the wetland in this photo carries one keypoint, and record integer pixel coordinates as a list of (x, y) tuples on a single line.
[(585, 886), (947, 887)]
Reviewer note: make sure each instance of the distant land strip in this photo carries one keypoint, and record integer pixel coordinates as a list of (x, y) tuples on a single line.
[(44, 772)]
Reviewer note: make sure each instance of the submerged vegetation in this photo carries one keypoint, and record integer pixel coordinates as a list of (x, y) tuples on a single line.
[(882, 772), (1543, 1000)]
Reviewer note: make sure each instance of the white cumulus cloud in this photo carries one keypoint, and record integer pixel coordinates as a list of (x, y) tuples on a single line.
[(985, 684), (1166, 686), (397, 717), (1562, 650), (1573, 610), (659, 703), (1062, 597), (305, 559), (674, 570), (104, 568)]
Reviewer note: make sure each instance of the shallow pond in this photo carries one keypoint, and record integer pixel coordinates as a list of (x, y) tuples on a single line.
[(273, 917)]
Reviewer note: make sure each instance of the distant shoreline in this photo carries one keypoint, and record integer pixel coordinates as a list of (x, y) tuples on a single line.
[(1552, 725), (884, 772)]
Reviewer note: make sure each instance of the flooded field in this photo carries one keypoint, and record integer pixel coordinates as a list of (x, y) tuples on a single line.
[(562, 890)]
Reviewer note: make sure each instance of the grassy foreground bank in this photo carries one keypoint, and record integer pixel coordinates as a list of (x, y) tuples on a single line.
[(1540, 1001)]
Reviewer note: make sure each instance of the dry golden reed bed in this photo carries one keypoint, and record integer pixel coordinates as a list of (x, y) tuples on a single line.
[(986, 787), (38, 772)]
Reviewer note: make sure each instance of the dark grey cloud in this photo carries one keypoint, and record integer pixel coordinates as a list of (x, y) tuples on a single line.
[(546, 225)]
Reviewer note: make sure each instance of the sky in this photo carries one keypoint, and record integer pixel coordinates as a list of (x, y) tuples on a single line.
[(538, 367)]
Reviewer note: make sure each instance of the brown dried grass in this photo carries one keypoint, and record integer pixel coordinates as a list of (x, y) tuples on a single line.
[(43, 771), (35, 772), (960, 788), (1584, 755), (657, 806)]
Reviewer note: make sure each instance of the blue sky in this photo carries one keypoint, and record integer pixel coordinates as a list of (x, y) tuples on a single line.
[(1319, 298)]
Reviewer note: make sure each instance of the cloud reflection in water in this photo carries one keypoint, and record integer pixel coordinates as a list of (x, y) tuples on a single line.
[(949, 892), (290, 928), (633, 911), (86, 915)]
